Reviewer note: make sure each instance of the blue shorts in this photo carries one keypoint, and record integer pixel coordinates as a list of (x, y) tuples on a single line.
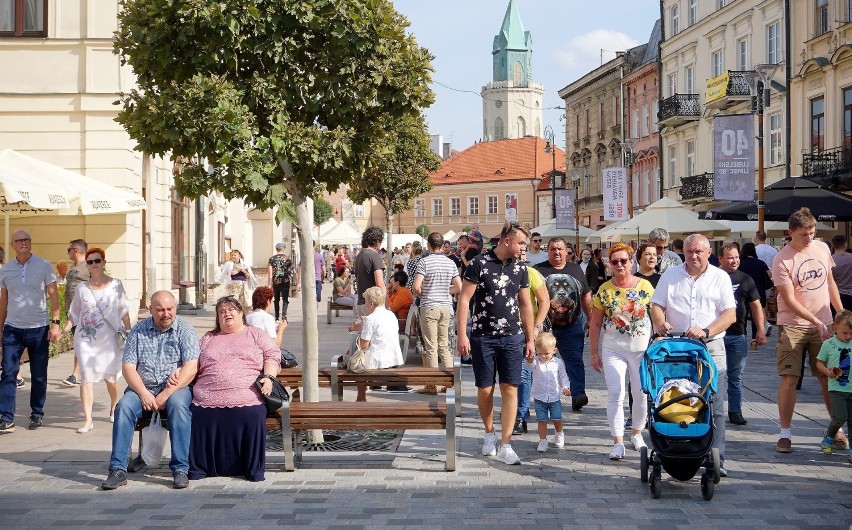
[(492, 356), (544, 410)]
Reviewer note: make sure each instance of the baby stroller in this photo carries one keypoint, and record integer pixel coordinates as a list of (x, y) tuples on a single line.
[(680, 424)]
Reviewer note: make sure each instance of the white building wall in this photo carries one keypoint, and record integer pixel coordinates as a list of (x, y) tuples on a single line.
[(514, 102)]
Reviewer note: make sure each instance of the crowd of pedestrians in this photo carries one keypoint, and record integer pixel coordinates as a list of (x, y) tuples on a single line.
[(519, 311)]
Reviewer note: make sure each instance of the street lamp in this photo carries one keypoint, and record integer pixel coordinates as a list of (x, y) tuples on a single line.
[(550, 147), (629, 144), (577, 173), (758, 83)]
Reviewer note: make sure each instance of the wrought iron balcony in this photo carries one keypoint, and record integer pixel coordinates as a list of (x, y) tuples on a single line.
[(831, 168), (679, 109), (696, 186), (727, 90)]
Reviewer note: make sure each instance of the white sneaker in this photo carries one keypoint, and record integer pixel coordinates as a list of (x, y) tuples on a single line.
[(637, 441), (507, 455), (559, 440), (489, 444), (542, 446), (617, 452)]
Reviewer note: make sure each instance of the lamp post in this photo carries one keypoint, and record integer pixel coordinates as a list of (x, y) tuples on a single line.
[(550, 147), (629, 144), (577, 173), (758, 83)]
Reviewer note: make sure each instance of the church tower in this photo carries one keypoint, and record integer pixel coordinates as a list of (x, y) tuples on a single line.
[(511, 102)]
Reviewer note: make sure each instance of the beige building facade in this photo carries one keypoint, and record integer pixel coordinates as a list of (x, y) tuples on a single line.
[(58, 106), (706, 50)]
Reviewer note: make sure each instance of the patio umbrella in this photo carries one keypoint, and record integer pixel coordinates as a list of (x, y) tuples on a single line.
[(548, 229), (785, 197), (746, 229), (666, 213)]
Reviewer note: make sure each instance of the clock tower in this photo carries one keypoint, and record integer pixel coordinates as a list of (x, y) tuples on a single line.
[(512, 102)]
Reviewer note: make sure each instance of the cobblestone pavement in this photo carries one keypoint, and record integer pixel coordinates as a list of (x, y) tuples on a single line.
[(51, 477)]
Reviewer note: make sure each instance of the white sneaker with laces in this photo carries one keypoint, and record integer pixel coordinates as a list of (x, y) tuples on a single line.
[(489, 444), (617, 452), (637, 441), (542, 446), (507, 455), (559, 440)]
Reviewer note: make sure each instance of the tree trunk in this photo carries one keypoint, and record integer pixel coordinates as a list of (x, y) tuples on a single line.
[(389, 232), (310, 332)]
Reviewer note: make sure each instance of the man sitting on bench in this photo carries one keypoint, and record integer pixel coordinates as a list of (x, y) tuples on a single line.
[(160, 360)]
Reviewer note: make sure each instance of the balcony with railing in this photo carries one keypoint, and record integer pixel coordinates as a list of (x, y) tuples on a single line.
[(830, 168), (727, 90), (696, 187), (679, 109)]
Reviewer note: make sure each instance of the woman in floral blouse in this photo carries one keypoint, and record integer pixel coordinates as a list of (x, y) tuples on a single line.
[(620, 308)]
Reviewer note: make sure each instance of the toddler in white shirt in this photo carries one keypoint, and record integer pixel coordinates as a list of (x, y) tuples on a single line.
[(549, 381)]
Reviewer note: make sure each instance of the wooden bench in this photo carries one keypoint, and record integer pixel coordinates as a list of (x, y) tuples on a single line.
[(337, 308), (299, 417)]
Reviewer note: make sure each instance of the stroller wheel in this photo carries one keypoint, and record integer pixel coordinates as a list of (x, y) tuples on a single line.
[(706, 487), (717, 463), (656, 486), (643, 464)]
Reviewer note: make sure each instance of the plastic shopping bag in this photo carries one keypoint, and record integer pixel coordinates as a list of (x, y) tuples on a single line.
[(154, 438)]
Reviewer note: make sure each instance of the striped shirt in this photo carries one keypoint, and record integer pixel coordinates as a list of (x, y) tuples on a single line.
[(157, 354), (438, 272)]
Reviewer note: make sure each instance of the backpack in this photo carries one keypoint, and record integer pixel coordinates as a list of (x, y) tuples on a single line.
[(565, 299)]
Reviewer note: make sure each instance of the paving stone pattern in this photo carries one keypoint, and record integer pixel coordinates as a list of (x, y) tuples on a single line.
[(51, 477)]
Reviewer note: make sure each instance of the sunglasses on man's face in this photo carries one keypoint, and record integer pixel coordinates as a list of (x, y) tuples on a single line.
[(94, 261), (536, 240)]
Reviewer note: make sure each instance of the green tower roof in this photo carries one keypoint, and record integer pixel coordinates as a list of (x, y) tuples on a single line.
[(512, 35)]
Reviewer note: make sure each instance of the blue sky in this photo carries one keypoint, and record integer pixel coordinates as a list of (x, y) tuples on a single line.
[(568, 36)]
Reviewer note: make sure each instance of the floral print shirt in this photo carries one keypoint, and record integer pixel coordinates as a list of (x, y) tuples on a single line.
[(495, 310), (627, 322)]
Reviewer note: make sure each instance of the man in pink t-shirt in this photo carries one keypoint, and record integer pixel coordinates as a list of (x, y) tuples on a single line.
[(805, 285)]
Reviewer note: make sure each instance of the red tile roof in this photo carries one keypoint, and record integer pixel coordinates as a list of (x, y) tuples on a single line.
[(500, 160)]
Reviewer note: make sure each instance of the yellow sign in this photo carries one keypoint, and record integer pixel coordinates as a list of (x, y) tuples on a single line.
[(716, 88)]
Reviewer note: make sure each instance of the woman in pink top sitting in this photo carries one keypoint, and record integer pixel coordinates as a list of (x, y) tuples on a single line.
[(228, 415)]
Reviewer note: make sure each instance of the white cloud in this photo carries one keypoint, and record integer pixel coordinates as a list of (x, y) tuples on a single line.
[(583, 52)]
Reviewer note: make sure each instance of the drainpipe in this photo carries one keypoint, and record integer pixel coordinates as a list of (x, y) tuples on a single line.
[(788, 57), (200, 253), (660, 154)]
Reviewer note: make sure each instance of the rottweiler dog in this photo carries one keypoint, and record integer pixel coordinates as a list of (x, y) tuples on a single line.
[(564, 291)]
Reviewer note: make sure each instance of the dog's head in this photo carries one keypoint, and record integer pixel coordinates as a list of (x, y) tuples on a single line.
[(563, 298)]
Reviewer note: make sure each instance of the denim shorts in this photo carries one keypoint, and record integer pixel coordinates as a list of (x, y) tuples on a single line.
[(492, 356), (544, 410)]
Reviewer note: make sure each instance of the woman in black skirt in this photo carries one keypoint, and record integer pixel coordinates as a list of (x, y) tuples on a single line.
[(228, 415)]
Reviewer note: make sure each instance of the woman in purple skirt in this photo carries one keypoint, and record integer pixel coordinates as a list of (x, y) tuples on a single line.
[(228, 415)]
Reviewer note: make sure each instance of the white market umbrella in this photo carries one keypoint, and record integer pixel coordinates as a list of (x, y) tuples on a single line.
[(451, 236), (746, 229), (666, 213), (548, 229), (340, 234)]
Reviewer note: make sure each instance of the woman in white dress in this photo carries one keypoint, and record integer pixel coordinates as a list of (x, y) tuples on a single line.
[(378, 335), (98, 310), (238, 278)]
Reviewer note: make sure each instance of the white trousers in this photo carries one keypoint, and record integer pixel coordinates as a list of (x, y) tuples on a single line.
[(615, 365)]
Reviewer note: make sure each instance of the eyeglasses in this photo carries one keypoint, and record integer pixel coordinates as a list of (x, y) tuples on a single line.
[(94, 261), (22, 241), (619, 261), (536, 240), (73, 248)]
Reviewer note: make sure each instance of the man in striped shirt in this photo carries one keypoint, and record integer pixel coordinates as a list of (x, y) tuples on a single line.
[(436, 280)]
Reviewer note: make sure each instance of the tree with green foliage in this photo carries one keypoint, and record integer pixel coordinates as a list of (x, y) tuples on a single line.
[(422, 230), (283, 98), (400, 173)]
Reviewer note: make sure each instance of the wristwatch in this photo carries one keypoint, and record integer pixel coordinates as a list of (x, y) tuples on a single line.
[(54, 322), (706, 333)]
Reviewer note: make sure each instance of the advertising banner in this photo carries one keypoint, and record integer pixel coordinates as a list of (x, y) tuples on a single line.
[(511, 206), (565, 209), (733, 157), (615, 194)]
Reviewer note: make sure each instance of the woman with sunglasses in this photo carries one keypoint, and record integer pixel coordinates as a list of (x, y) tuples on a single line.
[(98, 310), (621, 309)]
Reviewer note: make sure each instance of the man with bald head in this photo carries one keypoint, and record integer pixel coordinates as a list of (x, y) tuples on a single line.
[(160, 360), (698, 300), (26, 282)]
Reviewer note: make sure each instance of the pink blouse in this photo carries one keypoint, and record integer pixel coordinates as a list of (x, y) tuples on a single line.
[(229, 365)]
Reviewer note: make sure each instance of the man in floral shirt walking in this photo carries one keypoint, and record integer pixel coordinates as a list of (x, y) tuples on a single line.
[(502, 332)]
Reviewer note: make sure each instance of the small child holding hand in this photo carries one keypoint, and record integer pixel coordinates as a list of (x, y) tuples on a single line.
[(549, 381), (833, 362)]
